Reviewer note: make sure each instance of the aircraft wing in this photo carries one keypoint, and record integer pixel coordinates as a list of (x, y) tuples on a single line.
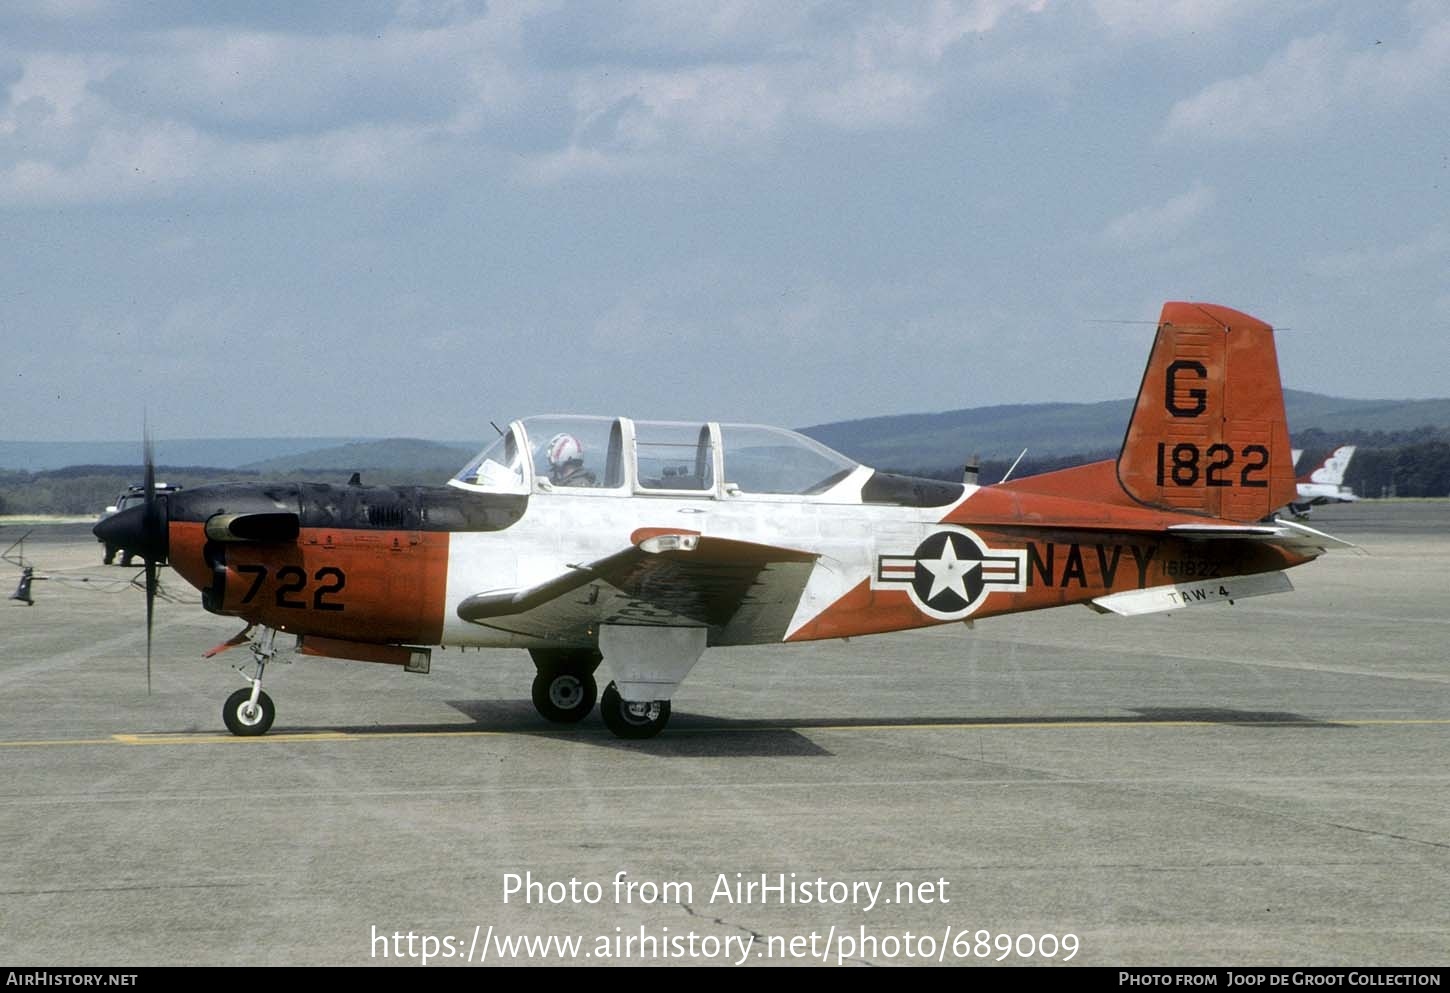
[(740, 590)]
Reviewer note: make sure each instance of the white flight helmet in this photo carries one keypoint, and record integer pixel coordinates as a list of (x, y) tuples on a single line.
[(563, 449)]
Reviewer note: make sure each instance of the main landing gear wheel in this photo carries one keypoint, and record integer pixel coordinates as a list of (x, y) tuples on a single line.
[(246, 719), (564, 697), (634, 721)]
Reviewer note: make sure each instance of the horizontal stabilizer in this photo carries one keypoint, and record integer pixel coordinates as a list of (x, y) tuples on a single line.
[(1179, 595), (1289, 535), (1311, 537), (1224, 530)]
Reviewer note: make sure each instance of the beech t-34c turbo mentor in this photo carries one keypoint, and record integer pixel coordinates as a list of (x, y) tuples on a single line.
[(640, 544)]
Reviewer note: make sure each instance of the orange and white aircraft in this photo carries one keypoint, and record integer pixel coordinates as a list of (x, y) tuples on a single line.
[(639, 544)]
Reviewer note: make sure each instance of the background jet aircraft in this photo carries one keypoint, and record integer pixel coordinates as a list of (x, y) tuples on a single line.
[(637, 545), (1324, 484)]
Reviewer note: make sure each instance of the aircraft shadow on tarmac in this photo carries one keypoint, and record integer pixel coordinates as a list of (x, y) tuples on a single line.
[(1216, 715), (706, 736)]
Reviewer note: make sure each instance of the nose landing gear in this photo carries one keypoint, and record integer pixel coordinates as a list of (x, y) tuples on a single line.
[(249, 712)]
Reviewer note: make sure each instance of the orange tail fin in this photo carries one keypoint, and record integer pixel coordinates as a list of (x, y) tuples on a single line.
[(1208, 434)]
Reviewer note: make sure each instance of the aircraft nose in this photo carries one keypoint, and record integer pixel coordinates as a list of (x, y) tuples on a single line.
[(139, 530)]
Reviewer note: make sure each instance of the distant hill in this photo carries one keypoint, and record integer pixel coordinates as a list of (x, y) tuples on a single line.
[(227, 453), (1050, 430), (1313, 411), (397, 454), (904, 441), (952, 436)]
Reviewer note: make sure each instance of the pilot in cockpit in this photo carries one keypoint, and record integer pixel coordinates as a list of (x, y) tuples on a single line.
[(566, 462)]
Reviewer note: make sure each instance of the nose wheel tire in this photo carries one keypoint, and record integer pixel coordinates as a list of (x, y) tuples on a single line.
[(634, 721), (246, 719), (564, 697)]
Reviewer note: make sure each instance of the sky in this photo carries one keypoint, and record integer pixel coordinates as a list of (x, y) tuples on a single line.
[(402, 218)]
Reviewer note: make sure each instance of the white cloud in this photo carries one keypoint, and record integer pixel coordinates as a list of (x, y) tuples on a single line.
[(1390, 76), (870, 100), (1160, 222), (1162, 18), (63, 10), (554, 167), (238, 80), (705, 28), (925, 37), (144, 160), (1294, 91), (1304, 86), (163, 110), (1431, 249), (215, 108), (57, 83), (879, 72), (628, 121)]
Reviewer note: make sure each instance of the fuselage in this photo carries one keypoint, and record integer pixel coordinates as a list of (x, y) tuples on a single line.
[(1318, 493), (392, 564)]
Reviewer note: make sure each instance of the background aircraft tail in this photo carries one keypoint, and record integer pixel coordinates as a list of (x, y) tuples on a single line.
[(1333, 468), (1208, 433)]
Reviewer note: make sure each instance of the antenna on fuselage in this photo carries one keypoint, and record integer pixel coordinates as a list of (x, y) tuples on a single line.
[(496, 428), (1008, 474)]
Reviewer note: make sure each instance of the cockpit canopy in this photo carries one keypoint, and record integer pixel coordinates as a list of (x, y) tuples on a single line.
[(622, 457)]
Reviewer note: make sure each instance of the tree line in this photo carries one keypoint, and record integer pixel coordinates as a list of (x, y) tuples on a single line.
[(88, 490)]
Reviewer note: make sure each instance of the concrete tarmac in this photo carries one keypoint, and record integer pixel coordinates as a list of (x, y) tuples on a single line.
[(1263, 784)]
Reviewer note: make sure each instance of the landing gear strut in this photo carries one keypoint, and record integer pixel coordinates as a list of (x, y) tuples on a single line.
[(564, 689), (249, 712)]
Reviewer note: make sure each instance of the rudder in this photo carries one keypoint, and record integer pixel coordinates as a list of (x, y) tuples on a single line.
[(1208, 433)]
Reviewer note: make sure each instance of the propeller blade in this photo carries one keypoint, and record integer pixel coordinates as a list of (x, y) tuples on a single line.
[(151, 525), (143, 531), (148, 453), (150, 611)]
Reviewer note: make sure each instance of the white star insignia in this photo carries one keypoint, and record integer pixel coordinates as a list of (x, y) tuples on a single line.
[(949, 572)]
